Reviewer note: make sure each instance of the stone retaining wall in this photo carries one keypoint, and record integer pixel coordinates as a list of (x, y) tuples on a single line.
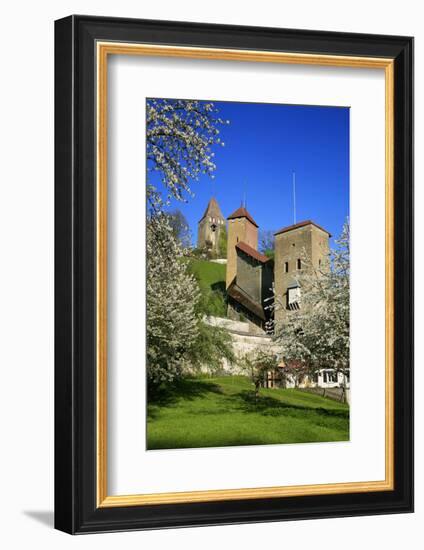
[(244, 341)]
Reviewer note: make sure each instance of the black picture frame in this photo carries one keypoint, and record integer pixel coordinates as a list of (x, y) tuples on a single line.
[(76, 510)]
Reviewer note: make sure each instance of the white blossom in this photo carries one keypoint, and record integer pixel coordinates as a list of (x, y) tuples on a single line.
[(318, 334), (172, 296), (180, 135)]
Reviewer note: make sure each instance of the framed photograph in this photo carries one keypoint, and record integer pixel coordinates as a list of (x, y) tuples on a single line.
[(233, 271)]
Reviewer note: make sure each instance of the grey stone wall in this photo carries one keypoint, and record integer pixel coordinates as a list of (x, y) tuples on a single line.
[(249, 276)]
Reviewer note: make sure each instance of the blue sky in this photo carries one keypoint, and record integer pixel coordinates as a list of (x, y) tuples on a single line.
[(264, 144)]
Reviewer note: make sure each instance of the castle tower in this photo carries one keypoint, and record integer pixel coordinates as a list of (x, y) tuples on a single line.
[(291, 244), (241, 228), (210, 226)]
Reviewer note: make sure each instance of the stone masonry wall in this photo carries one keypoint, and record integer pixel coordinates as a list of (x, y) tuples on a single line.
[(244, 341), (290, 247), (239, 230)]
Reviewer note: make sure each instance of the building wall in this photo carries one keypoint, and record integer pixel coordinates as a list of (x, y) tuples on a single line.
[(320, 247), (289, 248), (239, 229), (205, 234), (249, 276)]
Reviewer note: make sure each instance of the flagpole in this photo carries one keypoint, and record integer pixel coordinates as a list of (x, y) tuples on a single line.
[(294, 197)]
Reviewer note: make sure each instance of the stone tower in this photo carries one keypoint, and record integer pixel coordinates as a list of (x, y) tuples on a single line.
[(291, 243), (241, 228), (210, 227)]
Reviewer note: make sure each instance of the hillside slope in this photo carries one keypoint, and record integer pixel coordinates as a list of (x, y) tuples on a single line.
[(211, 279)]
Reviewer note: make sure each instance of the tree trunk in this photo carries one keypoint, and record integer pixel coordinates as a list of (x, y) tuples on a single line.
[(257, 387)]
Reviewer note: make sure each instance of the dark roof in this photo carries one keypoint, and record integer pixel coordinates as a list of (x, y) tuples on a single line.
[(252, 252), (237, 294), (242, 213), (301, 224), (212, 210), (293, 284)]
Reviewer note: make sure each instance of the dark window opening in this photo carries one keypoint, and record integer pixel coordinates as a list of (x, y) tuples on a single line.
[(299, 263), (286, 267)]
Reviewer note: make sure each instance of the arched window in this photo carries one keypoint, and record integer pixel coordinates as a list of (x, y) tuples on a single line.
[(299, 263)]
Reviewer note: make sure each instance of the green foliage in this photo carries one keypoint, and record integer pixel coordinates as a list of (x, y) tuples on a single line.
[(211, 280), (216, 412), (207, 273), (212, 345), (222, 242)]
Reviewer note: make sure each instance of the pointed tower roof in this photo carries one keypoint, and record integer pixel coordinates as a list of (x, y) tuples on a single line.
[(242, 213), (212, 210)]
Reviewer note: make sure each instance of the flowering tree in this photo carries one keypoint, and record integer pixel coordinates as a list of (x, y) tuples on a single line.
[(257, 365), (318, 334), (180, 227), (294, 371), (172, 296), (179, 136)]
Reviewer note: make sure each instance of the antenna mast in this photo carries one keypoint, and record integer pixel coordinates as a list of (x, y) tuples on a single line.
[(294, 197)]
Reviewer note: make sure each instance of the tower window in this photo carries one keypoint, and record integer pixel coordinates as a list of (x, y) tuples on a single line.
[(299, 263), (286, 267), (237, 239), (293, 298), (319, 262)]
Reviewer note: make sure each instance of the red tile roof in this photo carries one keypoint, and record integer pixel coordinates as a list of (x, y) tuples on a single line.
[(242, 213), (301, 224), (252, 252)]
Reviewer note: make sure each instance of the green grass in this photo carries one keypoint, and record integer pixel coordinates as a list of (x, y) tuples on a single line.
[(211, 279), (216, 412)]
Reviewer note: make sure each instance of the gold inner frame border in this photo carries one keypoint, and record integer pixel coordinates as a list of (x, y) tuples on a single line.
[(103, 50)]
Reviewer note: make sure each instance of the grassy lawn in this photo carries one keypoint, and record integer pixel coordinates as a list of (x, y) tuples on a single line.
[(216, 412), (211, 279)]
